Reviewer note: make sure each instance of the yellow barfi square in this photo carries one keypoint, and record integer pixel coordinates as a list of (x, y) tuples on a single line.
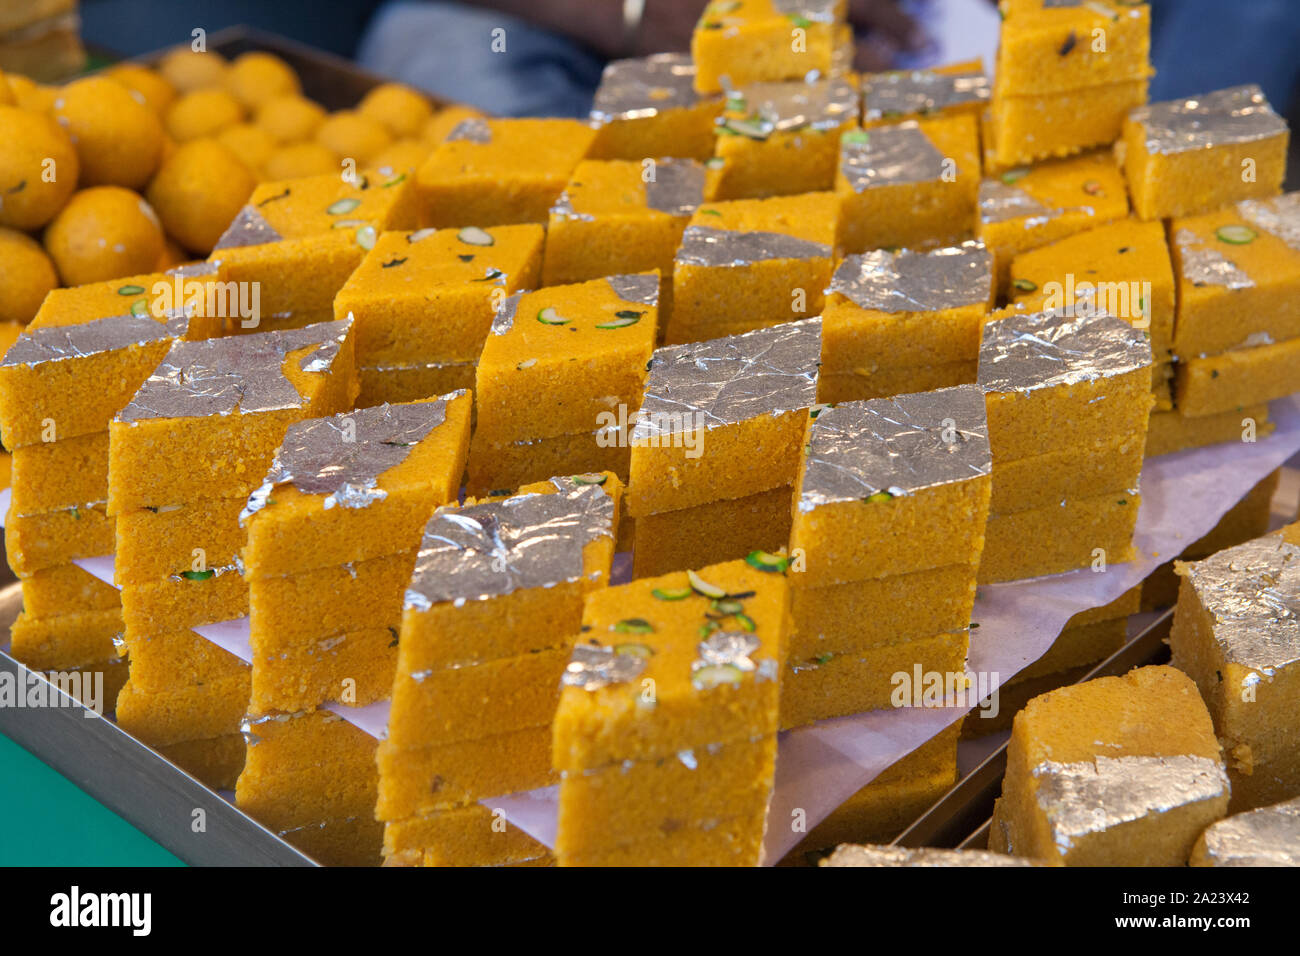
[(648, 107)]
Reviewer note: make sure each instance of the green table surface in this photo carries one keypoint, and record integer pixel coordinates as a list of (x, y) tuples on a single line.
[(46, 820)]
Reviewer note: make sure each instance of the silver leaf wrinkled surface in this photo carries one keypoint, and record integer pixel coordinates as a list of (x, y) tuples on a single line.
[(726, 248), (1024, 352), (920, 91), (1269, 836), (1238, 114), (907, 281), (891, 155)]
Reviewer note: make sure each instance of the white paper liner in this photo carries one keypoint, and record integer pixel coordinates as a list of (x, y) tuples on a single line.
[(1184, 494)]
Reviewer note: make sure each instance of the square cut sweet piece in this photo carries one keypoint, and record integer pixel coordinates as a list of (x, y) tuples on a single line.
[(779, 139), (462, 836), (70, 377), (157, 542), (494, 172), (60, 474), (1124, 265), (1026, 129), (909, 474), (911, 184), (198, 290), (64, 589), (429, 296), (356, 486), (192, 712), (1216, 384), (1041, 481), (1174, 431), (1025, 208), (1236, 633), (723, 419), (564, 359), (36, 542), (63, 641), (1053, 380), (712, 642), (187, 599), (300, 239), (207, 422), (1238, 273), (356, 667), (616, 218), (712, 533), (648, 107), (1059, 537), (1269, 836), (503, 466), (1184, 157), (906, 310), (169, 660), (737, 42), (410, 382), (752, 263), (1117, 771), (915, 94), (1047, 46)]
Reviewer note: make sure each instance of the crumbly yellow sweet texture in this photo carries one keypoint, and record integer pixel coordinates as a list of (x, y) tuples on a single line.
[(711, 533), (36, 542), (156, 543), (189, 713), (1038, 126), (65, 640), (710, 301), (657, 123), (157, 660), (1238, 284), (1230, 380), (411, 382), (154, 294), (866, 382), (1079, 533), (882, 209), (429, 296), (352, 841), (1173, 431), (1046, 49), (737, 42), (494, 172), (214, 761), (570, 356), (1112, 735), (471, 835), (188, 599), (65, 588), (506, 465), (60, 474), (1042, 481)]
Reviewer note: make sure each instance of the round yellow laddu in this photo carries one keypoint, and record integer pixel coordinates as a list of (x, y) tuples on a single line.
[(199, 191), (26, 275), (38, 168), (104, 232), (118, 139)]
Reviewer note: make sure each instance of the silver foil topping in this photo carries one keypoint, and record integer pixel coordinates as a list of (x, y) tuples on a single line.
[(677, 187), (473, 130), (194, 270), (641, 88), (1238, 114), (242, 372), (730, 380), (820, 11), (564, 207), (1279, 217), (342, 457), (897, 446), (1092, 797), (594, 666), (907, 281), (504, 320), (849, 854), (1001, 202), (920, 91), (249, 228), (528, 541), (642, 289), (55, 343), (1252, 594), (889, 156), (724, 248), (1024, 352), (727, 647), (1204, 265), (787, 107), (1269, 836)]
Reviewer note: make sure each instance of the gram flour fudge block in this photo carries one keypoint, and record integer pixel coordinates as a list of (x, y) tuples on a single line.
[(894, 319), (648, 108), (1184, 157), (1117, 771), (1236, 635), (715, 444), (737, 42), (1269, 836), (912, 94), (709, 645)]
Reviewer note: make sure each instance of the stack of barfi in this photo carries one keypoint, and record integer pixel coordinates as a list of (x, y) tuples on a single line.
[(912, 94), (752, 263), (492, 611), (779, 139), (1029, 207), (649, 108), (904, 322), (912, 183), (423, 303), (665, 736), (1068, 71), (61, 382), (910, 476), (1237, 634), (1118, 771), (738, 42), (495, 172), (1069, 396), (184, 454), (715, 446), (296, 241), (559, 376)]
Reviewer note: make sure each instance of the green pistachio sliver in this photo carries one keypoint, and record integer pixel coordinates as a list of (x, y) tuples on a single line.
[(348, 223), (341, 207), (711, 212), (634, 625), (131, 290), (366, 237), (549, 316), (197, 575), (591, 479), (715, 675), (823, 659), (702, 586), (395, 180), (1236, 235), (474, 236), (421, 234), (728, 606), (856, 136), (636, 650), (671, 594), (800, 21), (767, 561), (1025, 285), (622, 322), (717, 162), (879, 496), (746, 623), (140, 307), (1014, 175)]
